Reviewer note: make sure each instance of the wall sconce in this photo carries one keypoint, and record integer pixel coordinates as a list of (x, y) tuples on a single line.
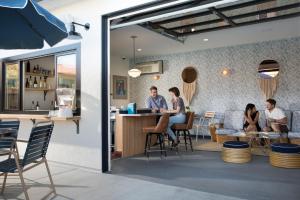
[(226, 72), (73, 35), (156, 77)]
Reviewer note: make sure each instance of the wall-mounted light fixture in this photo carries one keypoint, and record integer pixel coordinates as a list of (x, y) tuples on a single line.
[(73, 35), (226, 72), (156, 77)]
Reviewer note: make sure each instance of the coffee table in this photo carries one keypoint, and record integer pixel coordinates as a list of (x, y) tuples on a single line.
[(258, 136)]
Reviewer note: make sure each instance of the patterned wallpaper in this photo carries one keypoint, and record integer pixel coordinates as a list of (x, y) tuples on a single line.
[(218, 93)]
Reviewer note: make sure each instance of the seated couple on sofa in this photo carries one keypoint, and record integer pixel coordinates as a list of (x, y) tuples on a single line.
[(276, 119)]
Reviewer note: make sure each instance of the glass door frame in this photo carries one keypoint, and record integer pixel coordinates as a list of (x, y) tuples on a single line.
[(3, 86)]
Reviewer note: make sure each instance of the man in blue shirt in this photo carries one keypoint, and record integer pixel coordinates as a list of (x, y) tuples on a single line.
[(155, 101)]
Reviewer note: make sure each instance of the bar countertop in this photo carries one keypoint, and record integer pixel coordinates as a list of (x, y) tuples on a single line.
[(140, 115), (36, 117)]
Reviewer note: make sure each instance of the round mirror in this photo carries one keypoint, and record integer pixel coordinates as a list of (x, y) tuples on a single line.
[(189, 74), (268, 69)]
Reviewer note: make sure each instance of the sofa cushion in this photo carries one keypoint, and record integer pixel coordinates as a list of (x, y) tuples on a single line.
[(235, 144), (294, 134), (224, 131), (285, 148), (296, 121), (233, 120)]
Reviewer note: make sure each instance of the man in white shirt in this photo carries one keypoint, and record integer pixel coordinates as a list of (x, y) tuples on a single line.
[(276, 120)]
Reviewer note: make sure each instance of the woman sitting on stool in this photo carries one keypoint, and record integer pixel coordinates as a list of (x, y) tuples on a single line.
[(178, 110)]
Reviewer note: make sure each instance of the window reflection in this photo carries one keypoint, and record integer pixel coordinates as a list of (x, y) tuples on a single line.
[(12, 86), (66, 73)]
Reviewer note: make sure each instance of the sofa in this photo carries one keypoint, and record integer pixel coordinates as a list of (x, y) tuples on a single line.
[(294, 133), (233, 123)]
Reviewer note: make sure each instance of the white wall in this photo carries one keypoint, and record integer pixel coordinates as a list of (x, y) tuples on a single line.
[(120, 67), (66, 146)]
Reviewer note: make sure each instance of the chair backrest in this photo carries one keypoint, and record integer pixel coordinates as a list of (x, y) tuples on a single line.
[(38, 142), (162, 124), (13, 124), (189, 120), (209, 114)]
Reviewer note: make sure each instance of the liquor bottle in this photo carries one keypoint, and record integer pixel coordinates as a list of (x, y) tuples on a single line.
[(37, 106), (35, 84), (41, 83), (45, 82), (32, 105), (52, 106), (34, 69), (37, 69), (28, 66), (30, 82), (27, 83)]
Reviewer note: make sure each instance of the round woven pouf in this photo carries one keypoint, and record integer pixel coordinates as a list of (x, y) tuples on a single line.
[(236, 152), (285, 155)]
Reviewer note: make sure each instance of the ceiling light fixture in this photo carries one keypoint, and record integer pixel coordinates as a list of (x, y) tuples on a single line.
[(139, 50), (134, 72), (193, 29), (73, 35), (205, 39)]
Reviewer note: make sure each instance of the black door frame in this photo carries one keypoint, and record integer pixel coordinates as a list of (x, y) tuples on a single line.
[(104, 73), (105, 19)]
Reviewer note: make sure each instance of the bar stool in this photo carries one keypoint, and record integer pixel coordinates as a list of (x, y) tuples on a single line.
[(188, 125), (159, 131)]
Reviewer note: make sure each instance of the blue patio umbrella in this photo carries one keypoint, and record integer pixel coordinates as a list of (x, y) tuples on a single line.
[(24, 24)]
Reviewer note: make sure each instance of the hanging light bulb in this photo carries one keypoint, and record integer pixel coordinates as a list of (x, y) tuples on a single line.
[(134, 72)]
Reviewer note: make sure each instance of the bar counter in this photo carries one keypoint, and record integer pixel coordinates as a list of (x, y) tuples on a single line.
[(41, 117), (130, 139)]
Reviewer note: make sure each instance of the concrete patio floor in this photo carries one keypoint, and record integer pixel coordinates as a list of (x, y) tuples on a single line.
[(77, 183), (190, 176)]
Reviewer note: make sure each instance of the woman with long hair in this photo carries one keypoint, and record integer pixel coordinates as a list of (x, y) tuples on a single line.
[(178, 112), (251, 117)]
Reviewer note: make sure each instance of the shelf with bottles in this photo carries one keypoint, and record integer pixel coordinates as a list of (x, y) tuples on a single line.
[(39, 74), (37, 70), (39, 89)]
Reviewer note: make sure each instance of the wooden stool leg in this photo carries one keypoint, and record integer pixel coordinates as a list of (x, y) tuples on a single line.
[(146, 144), (185, 143), (160, 144), (149, 144), (191, 144), (163, 144)]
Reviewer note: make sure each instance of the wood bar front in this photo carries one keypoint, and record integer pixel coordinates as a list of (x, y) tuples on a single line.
[(130, 139)]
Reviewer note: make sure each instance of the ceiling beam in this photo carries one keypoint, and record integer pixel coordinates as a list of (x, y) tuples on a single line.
[(269, 10), (160, 11), (196, 24), (222, 16), (162, 31), (297, 14), (259, 12), (204, 13)]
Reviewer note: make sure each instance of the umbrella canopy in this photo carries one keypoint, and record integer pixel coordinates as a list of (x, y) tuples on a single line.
[(25, 25)]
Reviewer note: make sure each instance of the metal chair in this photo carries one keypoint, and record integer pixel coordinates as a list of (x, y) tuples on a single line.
[(188, 125), (13, 124), (204, 123), (159, 131), (35, 155)]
